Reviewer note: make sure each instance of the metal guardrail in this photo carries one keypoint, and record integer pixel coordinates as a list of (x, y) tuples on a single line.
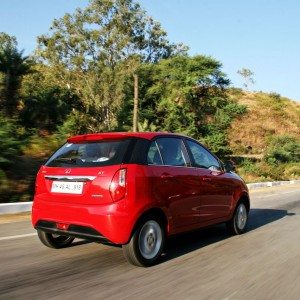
[(18, 207), (14, 208)]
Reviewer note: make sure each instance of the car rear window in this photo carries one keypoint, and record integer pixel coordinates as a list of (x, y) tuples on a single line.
[(92, 154)]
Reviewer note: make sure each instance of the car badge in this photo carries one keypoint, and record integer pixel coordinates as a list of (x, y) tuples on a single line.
[(67, 171)]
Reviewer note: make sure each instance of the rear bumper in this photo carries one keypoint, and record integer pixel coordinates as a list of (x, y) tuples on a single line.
[(107, 223), (75, 231)]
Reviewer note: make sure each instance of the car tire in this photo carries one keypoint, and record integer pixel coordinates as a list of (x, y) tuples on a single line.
[(238, 223), (146, 244), (54, 241)]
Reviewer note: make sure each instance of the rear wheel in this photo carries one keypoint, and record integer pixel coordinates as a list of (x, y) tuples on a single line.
[(238, 223), (146, 244), (54, 240)]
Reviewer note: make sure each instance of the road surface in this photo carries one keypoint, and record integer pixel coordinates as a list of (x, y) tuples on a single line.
[(264, 263)]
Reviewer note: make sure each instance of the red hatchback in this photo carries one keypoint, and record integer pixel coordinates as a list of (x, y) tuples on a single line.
[(134, 190)]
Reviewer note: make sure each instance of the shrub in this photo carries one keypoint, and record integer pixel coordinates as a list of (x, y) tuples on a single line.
[(275, 96), (250, 167), (292, 171), (3, 181), (10, 143), (283, 149), (218, 144), (42, 146)]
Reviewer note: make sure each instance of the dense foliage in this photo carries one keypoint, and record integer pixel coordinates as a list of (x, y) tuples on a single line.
[(45, 105), (283, 149), (13, 65), (10, 143), (10, 146), (186, 95), (94, 50)]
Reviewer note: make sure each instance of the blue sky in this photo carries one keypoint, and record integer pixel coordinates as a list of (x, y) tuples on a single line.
[(262, 35)]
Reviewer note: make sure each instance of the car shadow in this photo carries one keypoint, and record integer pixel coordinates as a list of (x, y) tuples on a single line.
[(185, 243), (79, 242)]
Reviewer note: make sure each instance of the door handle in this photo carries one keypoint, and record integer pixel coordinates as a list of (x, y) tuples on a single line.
[(206, 178), (166, 176)]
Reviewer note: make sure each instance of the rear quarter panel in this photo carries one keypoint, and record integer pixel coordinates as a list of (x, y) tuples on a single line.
[(140, 194)]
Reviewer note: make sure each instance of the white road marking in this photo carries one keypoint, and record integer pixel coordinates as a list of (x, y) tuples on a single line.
[(16, 236)]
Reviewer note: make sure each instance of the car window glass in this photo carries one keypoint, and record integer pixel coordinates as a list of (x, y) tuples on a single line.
[(202, 157), (172, 150), (91, 154), (153, 156)]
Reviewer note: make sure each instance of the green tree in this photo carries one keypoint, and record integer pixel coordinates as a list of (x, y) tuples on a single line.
[(9, 147), (247, 75), (95, 49), (45, 105), (187, 95), (13, 66)]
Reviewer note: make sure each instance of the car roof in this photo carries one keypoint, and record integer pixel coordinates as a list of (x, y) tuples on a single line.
[(118, 135)]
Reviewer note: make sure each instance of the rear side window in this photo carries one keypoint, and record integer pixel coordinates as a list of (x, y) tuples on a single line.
[(94, 154), (172, 151), (137, 152), (154, 157)]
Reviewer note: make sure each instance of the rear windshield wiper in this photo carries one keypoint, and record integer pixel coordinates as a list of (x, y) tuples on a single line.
[(66, 160)]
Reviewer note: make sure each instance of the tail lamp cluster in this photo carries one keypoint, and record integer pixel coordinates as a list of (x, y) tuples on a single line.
[(118, 185)]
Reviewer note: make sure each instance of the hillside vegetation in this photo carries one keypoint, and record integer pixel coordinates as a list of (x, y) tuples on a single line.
[(268, 115), (265, 141)]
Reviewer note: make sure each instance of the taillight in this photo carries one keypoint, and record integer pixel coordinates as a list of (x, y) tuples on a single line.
[(36, 184), (118, 185)]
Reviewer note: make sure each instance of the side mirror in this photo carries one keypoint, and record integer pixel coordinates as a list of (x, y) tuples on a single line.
[(229, 166)]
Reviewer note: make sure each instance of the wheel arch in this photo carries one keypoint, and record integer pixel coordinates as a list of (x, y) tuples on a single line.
[(154, 211), (245, 199)]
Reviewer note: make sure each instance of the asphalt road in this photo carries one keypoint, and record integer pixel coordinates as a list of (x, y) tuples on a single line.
[(264, 263)]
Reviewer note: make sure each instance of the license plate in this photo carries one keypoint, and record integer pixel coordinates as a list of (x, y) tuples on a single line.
[(67, 187)]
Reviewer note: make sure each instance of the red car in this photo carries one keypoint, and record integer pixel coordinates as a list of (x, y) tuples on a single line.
[(134, 190)]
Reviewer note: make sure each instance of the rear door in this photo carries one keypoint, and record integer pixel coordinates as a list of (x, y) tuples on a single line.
[(174, 182), (217, 188)]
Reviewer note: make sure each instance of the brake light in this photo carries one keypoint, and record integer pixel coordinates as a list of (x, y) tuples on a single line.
[(118, 185)]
